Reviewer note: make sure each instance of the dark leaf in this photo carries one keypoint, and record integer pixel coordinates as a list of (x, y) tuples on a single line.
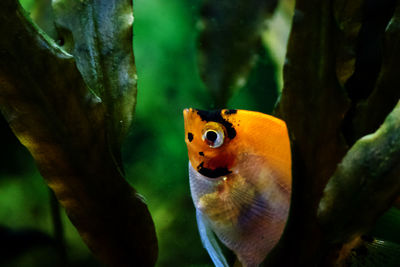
[(63, 124), (323, 82), (99, 35), (365, 183), (348, 16), (229, 43), (313, 105), (369, 113)]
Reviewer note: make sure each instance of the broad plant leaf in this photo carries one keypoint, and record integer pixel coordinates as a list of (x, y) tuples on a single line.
[(313, 105), (324, 65), (42, 14), (229, 43), (99, 35), (65, 127), (370, 112), (349, 17), (365, 184)]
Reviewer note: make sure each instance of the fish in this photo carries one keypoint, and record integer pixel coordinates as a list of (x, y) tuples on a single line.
[(240, 181)]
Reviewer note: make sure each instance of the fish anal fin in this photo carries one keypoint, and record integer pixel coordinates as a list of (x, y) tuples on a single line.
[(210, 241)]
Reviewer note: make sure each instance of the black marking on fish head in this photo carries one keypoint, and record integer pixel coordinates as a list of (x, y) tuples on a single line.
[(230, 111), (201, 153), (190, 137), (215, 115), (212, 173)]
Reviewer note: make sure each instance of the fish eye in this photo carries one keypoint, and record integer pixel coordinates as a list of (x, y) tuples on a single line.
[(213, 135)]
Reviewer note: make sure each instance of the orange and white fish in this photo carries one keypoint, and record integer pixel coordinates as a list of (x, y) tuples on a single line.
[(240, 180)]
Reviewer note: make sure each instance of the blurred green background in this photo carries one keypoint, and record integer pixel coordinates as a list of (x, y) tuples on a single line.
[(154, 153)]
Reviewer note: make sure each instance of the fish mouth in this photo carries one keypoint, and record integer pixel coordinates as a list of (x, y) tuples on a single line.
[(214, 173)]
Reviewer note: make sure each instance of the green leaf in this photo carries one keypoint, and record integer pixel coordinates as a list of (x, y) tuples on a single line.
[(42, 14), (99, 35), (365, 183), (387, 226), (66, 129)]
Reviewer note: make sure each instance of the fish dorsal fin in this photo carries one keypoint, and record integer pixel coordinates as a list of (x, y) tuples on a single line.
[(210, 242)]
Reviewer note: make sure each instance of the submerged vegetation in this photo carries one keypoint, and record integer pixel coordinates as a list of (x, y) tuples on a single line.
[(68, 83)]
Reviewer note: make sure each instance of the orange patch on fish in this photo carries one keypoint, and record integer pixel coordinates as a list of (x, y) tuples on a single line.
[(240, 179)]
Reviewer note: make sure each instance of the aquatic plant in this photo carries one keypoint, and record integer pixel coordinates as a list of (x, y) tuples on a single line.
[(72, 111), (71, 102)]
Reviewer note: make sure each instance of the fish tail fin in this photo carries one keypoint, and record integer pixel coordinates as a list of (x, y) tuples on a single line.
[(210, 242)]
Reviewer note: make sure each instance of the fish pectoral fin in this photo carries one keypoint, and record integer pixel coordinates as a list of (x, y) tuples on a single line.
[(210, 241)]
